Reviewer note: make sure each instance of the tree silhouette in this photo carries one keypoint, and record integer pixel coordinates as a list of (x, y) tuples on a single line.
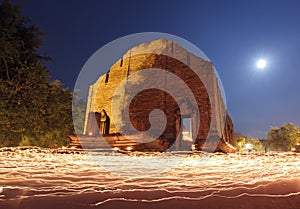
[(33, 110)]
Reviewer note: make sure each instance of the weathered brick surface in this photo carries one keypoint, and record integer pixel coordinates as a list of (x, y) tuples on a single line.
[(196, 73)]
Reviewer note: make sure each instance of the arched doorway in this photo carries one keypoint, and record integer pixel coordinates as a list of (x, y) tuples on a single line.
[(98, 123), (186, 125), (104, 121)]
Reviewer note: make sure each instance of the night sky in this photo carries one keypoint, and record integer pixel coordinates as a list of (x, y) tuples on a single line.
[(233, 34)]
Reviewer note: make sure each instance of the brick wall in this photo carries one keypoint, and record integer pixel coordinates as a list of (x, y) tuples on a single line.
[(198, 74)]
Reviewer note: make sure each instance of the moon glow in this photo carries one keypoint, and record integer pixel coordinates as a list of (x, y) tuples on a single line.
[(261, 64)]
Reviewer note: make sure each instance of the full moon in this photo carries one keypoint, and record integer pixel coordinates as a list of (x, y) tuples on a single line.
[(261, 64)]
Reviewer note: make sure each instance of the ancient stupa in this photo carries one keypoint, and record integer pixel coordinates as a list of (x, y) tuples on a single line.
[(153, 76)]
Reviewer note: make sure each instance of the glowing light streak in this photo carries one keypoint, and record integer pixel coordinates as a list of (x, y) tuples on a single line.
[(46, 173)]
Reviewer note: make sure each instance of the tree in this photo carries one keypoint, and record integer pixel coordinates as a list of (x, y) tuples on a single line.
[(284, 137), (33, 110), (242, 142)]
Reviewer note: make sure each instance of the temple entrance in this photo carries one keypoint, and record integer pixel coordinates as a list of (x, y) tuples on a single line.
[(103, 123), (187, 129), (186, 125), (98, 123)]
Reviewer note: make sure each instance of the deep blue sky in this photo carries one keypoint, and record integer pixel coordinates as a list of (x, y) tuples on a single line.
[(233, 34)]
